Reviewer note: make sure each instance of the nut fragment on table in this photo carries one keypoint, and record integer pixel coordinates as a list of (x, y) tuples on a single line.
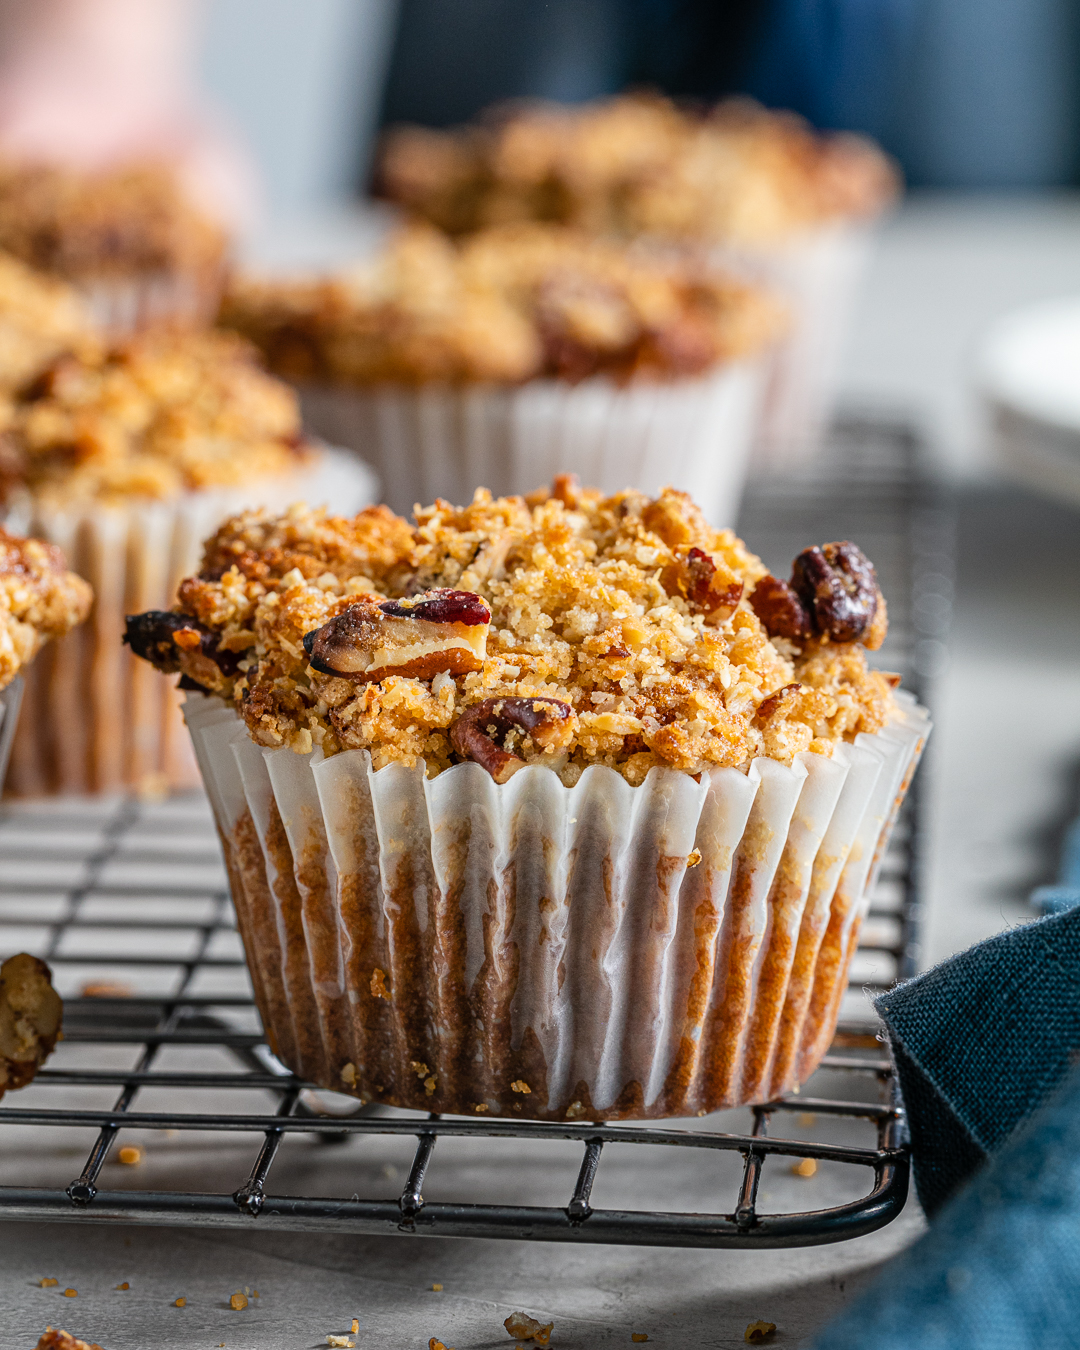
[(522, 1327), (438, 630), (30, 1016), (55, 1339)]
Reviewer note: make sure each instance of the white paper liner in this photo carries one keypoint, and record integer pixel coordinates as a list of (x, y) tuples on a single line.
[(437, 441), (97, 718), (443, 944), (817, 275), (121, 306), (10, 701)]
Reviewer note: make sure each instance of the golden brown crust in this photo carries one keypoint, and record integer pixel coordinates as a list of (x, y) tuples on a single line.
[(112, 224), (505, 305), (39, 599), (637, 163), (30, 1017), (40, 319), (151, 417), (604, 606)]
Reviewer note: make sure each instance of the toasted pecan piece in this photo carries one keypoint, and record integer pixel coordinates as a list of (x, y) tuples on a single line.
[(440, 630), (477, 733), (838, 588), (833, 594), (173, 642), (30, 1017)]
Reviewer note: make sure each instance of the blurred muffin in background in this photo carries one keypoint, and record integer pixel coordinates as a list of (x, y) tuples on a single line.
[(40, 318), (775, 199), (128, 239), (638, 164), (125, 456), (523, 351)]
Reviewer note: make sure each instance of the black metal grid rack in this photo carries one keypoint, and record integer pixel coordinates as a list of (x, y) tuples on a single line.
[(134, 892)]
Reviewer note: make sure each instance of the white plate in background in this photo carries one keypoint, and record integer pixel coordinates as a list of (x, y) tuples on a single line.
[(1028, 370)]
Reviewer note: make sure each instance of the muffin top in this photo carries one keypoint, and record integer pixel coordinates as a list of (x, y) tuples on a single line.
[(39, 599), (40, 318), (568, 629), (504, 305), (739, 175), (163, 412), (87, 227)]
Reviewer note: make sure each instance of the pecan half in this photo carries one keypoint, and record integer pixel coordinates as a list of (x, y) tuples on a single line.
[(477, 732), (833, 593), (838, 588), (780, 609), (706, 591), (442, 630), (173, 642), (777, 701)]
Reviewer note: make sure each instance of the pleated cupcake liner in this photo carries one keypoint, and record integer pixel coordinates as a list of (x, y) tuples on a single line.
[(439, 441), (10, 702), (600, 951), (96, 718), (119, 307)]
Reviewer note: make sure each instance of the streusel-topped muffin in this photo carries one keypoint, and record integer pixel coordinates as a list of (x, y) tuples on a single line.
[(159, 414), (505, 305), (39, 599), (40, 319), (561, 808), (129, 239), (125, 455), (638, 164), (632, 620)]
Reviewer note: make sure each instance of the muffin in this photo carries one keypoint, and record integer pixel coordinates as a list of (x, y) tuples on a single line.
[(521, 352), (125, 456), (128, 239), (40, 600), (763, 190), (561, 808)]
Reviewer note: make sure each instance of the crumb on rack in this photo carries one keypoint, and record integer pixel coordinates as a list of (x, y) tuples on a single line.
[(805, 1167), (131, 1155), (48, 1282), (238, 1302), (125, 1285), (342, 1341), (757, 1332), (378, 984), (436, 1288), (638, 1336), (520, 1085), (180, 1302)]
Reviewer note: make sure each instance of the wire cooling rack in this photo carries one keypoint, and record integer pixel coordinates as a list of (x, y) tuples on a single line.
[(128, 903)]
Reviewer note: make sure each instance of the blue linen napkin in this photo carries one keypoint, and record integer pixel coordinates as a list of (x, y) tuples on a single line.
[(980, 1041), (987, 1047), (1000, 1268)]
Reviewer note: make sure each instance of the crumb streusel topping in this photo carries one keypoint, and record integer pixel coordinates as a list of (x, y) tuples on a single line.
[(40, 318), (160, 413), (39, 599), (505, 305), (637, 163), (111, 224), (568, 630)]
